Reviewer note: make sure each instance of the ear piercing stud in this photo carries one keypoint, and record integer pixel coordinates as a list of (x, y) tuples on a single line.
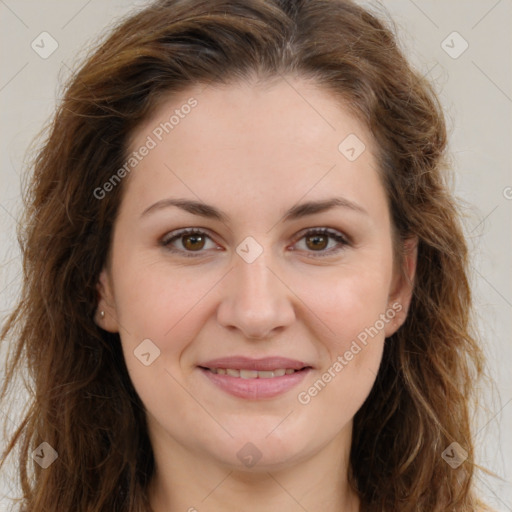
[(102, 314)]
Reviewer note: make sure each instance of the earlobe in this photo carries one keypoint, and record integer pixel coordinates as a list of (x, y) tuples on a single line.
[(403, 285), (105, 315)]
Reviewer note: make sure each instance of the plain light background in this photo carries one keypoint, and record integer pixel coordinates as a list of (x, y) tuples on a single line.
[(474, 85)]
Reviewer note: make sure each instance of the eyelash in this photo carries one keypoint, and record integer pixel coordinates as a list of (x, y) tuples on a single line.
[(176, 235)]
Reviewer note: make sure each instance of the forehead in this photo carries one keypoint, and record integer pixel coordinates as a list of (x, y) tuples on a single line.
[(287, 107), (276, 140)]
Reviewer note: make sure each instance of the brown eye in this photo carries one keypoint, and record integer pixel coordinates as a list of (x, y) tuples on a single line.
[(188, 242), (322, 242), (193, 242), (317, 242)]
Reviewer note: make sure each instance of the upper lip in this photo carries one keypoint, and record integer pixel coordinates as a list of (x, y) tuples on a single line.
[(247, 363)]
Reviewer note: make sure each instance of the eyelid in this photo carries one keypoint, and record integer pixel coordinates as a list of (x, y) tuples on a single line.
[(324, 230), (333, 234)]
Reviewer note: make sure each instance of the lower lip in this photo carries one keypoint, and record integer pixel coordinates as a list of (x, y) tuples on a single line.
[(255, 389)]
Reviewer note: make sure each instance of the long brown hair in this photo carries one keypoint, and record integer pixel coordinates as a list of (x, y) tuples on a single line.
[(83, 403)]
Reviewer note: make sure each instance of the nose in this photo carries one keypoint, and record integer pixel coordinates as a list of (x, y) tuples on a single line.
[(256, 300)]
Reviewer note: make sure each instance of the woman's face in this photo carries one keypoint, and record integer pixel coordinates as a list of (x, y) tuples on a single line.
[(288, 269)]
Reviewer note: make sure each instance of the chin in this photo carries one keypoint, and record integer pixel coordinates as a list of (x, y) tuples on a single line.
[(257, 453)]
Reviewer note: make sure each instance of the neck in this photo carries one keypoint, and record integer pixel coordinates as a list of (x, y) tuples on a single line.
[(195, 483)]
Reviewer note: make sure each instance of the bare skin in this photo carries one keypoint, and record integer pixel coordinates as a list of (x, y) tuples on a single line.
[(254, 151)]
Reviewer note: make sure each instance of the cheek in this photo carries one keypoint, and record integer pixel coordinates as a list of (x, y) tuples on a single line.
[(346, 301), (154, 300), (166, 308), (353, 316), (169, 307)]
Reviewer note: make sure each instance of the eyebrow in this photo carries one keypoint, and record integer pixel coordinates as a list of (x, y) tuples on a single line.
[(295, 212)]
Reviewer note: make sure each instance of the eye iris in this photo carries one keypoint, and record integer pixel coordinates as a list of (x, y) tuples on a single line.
[(191, 242), (318, 241)]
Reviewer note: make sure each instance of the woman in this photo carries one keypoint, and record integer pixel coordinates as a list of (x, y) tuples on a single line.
[(245, 279)]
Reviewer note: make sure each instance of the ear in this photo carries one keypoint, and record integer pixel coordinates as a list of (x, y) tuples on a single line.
[(402, 285), (106, 303)]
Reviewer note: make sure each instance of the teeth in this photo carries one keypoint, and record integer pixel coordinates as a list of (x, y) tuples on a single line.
[(253, 374), (248, 374)]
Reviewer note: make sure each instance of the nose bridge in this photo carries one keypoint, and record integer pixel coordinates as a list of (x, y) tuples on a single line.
[(256, 302), (255, 280)]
